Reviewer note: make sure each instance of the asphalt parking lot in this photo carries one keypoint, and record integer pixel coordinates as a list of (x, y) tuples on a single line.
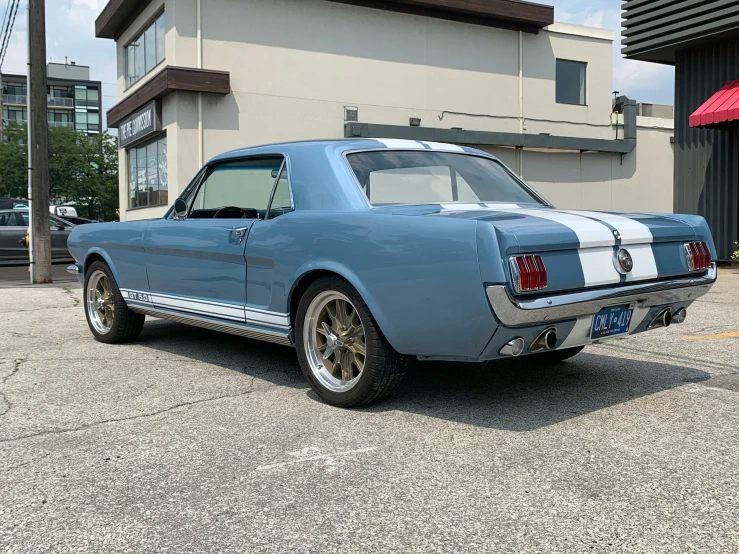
[(192, 441)]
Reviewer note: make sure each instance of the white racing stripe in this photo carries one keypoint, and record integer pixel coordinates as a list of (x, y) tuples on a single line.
[(589, 233), (645, 266), (597, 266), (631, 230), (220, 310), (444, 146), (402, 144), (454, 207), (580, 333)]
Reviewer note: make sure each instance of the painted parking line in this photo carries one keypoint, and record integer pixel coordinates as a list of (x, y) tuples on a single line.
[(731, 335), (312, 454)]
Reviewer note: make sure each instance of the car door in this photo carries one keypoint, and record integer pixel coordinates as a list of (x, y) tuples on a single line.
[(196, 264), (59, 230), (12, 234), (266, 242)]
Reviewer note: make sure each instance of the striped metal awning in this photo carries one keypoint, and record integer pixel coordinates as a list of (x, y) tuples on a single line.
[(722, 107)]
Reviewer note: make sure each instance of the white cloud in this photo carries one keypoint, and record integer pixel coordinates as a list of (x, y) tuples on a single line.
[(594, 19)]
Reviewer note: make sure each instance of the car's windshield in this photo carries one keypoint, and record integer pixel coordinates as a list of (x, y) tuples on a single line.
[(420, 177)]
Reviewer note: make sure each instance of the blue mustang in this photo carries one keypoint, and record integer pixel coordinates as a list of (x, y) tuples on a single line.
[(364, 253)]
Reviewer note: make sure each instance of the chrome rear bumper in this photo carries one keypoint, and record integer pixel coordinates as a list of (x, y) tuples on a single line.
[(513, 312)]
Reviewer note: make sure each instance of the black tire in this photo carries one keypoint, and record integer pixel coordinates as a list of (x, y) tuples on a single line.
[(555, 356), (384, 368), (127, 324)]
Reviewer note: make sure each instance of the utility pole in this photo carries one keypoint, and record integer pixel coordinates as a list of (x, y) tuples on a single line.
[(38, 145)]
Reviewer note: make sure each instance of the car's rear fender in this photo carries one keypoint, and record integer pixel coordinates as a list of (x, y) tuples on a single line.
[(419, 277)]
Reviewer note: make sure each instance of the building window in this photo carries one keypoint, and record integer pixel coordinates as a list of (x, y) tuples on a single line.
[(147, 174), (145, 52), (86, 97), (15, 115), (61, 118), (571, 82)]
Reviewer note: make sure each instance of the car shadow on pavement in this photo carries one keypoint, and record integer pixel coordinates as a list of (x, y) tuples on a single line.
[(523, 395), (514, 395), (270, 362)]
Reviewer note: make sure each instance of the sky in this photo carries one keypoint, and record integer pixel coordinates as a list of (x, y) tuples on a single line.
[(70, 32)]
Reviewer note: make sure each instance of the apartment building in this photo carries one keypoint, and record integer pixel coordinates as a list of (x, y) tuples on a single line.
[(73, 100), (198, 78)]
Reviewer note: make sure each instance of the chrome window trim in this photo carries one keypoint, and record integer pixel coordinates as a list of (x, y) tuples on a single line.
[(483, 155), (513, 312), (284, 167)]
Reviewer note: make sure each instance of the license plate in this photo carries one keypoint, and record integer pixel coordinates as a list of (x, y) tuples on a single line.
[(611, 321)]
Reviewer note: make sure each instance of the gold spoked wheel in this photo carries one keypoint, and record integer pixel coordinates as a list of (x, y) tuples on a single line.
[(334, 341), (100, 304)]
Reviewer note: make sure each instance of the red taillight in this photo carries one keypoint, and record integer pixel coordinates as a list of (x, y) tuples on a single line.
[(529, 273), (698, 256), (523, 273)]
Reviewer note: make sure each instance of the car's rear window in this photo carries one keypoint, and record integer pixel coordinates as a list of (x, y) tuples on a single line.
[(423, 177)]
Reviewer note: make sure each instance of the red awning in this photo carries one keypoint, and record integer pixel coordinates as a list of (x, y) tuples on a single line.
[(719, 108)]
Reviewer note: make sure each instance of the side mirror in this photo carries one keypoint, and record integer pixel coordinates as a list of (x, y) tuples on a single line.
[(180, 209)]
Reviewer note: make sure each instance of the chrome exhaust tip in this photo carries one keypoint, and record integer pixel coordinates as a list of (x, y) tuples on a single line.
[(546, 341), (680, 316), (663, 319), (513, 347)]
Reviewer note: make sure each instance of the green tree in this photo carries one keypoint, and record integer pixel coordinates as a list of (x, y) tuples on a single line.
[(83, 170)]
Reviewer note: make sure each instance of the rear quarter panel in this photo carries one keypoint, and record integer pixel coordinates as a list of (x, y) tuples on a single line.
[(119, 244), (419, 276)]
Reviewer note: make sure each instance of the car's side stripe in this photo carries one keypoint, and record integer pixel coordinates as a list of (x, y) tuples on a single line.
[(209, 308)]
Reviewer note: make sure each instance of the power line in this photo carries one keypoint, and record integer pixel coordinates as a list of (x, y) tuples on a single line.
[(5, 16), (9, 32)]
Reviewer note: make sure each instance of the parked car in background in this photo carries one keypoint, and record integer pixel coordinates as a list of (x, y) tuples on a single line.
[(63, 211), (13, 204), (76, 220), (365, 253), (13, 232)]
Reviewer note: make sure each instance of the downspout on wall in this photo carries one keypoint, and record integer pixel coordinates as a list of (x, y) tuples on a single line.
[(199, 65)]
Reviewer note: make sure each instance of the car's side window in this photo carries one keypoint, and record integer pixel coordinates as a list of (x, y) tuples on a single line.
[(281, 201), (245, 185), (56, 223), (23, 216), (5, 219)]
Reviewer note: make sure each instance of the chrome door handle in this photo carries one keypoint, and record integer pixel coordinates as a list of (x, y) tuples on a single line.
[(240, 232)]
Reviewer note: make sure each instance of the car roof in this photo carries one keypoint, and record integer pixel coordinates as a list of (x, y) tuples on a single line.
[(339, 146)]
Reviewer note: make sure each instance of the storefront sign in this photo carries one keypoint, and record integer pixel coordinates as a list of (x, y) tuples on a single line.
[(141, 124)]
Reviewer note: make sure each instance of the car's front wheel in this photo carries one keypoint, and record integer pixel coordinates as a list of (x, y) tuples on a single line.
[(341, 350), (108, 316)]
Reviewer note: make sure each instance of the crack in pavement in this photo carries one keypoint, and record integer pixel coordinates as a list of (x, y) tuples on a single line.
[(16, 367), (127, 418)]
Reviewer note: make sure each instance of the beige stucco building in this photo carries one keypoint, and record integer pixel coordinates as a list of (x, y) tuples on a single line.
[(197, 77)]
